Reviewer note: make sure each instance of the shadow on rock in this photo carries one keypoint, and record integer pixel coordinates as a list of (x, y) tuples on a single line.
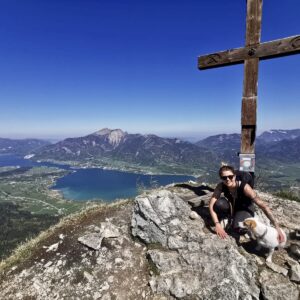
[(251, 247), (198, 190)]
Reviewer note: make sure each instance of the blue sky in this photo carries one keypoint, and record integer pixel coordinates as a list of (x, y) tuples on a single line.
[(70, 67)]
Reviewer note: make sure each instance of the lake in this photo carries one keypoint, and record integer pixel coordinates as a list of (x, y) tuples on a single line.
[(96, 183)]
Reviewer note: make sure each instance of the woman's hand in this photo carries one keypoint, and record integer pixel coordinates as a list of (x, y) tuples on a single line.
[(280, 236), (220, 231)]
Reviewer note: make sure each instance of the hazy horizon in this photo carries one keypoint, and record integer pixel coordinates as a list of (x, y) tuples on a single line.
[(188, 136)]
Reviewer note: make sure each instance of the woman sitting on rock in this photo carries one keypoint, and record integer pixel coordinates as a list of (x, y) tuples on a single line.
[(237, 203)]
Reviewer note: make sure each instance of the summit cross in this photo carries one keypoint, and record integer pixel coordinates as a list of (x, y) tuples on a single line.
[(250, 56)]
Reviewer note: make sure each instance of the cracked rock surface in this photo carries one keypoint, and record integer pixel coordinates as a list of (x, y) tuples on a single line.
[(191, 262), (96, 259), (161, 246)]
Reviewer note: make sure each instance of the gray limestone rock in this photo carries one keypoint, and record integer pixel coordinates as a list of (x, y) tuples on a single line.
[(161, 214), (194, 215), (88, 276), (109, 230), (277, 268), (192, 263), (94, 239), (275, 286), (172, 256), (91, 240), (53, 247), (295, 273)]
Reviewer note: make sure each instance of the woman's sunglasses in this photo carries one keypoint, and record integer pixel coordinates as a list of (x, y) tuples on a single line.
[(225, 177)]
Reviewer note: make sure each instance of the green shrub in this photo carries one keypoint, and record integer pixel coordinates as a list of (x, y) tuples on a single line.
[(288, 195)]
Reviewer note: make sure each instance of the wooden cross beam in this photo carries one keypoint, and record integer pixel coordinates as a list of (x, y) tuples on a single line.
[(250, 55)]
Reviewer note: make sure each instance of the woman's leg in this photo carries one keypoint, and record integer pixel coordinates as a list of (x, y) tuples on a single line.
[(222, 208)]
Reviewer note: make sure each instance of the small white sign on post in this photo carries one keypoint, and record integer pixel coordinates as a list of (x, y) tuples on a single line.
[(247, 162)]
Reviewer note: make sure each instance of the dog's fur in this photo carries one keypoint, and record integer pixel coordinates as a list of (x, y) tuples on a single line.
[(266, 236)]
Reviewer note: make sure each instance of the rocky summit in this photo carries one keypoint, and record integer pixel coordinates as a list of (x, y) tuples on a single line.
[(160, 246)]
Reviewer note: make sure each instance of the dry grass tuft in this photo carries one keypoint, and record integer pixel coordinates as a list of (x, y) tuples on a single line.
[(26, 249)]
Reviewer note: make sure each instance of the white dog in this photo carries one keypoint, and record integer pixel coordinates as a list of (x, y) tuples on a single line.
[(266, 236)]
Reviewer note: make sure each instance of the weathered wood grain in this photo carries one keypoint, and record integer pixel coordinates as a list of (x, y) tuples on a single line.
[(249, 111), (253, 23), (253, 29), (250, 77), (268, 50), (248, 139)]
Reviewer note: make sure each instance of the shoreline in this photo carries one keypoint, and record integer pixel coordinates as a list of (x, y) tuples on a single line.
[(69, 167), (144, 170), (74, 166)]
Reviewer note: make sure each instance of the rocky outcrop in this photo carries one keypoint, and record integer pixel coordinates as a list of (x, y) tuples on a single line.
[(191, 262), (91, 256), (161, 246)]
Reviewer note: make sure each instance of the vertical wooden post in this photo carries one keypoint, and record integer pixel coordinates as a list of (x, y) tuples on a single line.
[(249, 100)]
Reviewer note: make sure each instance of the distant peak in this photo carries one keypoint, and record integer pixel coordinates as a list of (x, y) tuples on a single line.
[(115, 136), (103, 131)]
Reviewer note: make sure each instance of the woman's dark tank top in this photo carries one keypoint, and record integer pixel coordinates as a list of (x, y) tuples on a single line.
[(241, 202)]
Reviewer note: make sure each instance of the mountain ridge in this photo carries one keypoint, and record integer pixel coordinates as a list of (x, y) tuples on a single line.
[(118, 146), (20, 146), (152, 150), (149, 153), (277, 145)]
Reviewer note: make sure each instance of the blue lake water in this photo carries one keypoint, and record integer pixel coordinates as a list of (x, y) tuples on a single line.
[(97, 184), (13, 160)]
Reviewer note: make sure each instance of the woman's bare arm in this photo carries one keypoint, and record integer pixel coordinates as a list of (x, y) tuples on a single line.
[(216, 195), (249, 192)]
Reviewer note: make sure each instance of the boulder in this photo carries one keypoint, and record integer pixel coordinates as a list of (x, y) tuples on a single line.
[(94, 239), (295, 273), (91, 240), (276, 286), (190, 264)]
